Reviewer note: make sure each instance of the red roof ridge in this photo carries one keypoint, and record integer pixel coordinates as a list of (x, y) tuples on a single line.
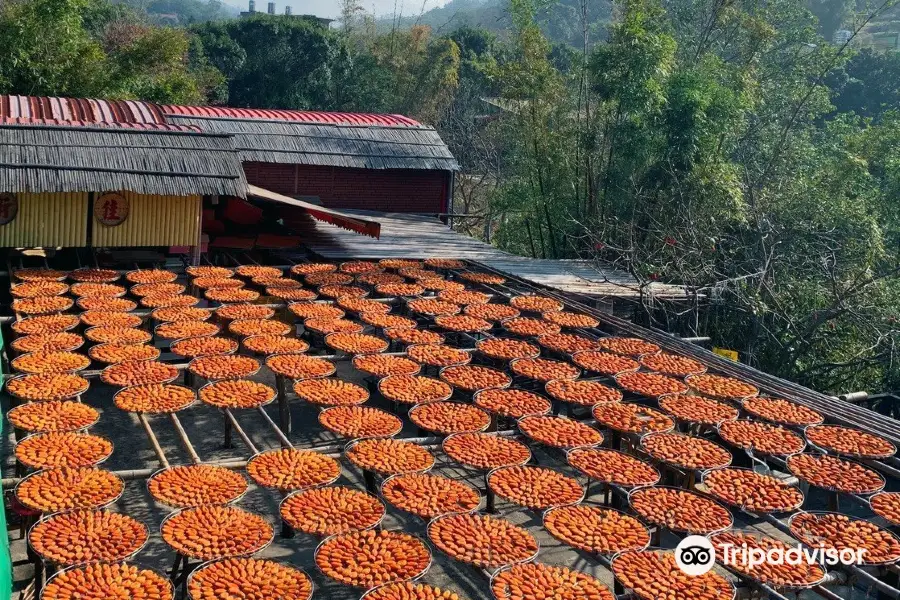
[(301, 116)]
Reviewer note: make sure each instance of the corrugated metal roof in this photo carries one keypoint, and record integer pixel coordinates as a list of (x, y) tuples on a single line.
[(49, 158), (90, 110), (360, 147)]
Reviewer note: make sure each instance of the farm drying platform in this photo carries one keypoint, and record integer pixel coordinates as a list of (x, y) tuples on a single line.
[(442, 421)]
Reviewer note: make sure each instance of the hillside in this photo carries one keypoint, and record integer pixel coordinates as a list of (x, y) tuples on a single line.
[(183, 12), (561, 22)]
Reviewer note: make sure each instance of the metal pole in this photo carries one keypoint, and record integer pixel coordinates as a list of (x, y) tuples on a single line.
[(154, 441)]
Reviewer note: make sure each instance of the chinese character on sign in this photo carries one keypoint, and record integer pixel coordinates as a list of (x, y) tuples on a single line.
[(111, 209), (9, 208)]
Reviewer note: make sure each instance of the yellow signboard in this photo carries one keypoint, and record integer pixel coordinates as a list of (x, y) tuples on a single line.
[(729, 354)]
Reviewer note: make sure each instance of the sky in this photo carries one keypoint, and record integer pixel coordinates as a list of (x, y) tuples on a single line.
[(331, 8)]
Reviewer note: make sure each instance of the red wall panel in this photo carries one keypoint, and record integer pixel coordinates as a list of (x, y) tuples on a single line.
[(364, 189)]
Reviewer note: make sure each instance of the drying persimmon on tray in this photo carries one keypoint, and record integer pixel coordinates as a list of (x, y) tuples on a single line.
[(62, 449), (33, 289), (388, 456), (224, 366), (376, 279), (120, 335), (751, 491), (781, 575), (400, 263), (567, 343), (697, 409), (537, 488), (82, 536), (481, 540), (491, 312), (363, 305), (366, 559), (41, 305), (340, 291), (218, 283), (596, 529), (761, 438), (559, 432), (384, 320), (485, 451), (177, 330), (249, 578), (483, 278), (380, 365), (420, 275), (463, 323), (115, 353), (359, 266), (529, 326), (654, 574), (95, 318), (48, 342), (328, 391), (511, 403), (533, 303), (721, 387), (436, 284), (631, 418), (237, 393), (650, 385), (507, 349), (360, 422), (414, 389), (464, 297), (211, 345), (291, 294), (95, 275), (299, 366), (685, 451), (534, 581), (472, 378), (210, 532), (887, 506), (408, 590), (612, 466), (106, 303), (445, 418), (227, 296), (850, 442), (680, 510), (155, 398), (50, 362), (543, 369), (408, 335), (196, 485), (274, 344), (65, 488), (407, 290), (445, 263), (583, 393), (58, 415), (277, 283), (209, 271), (833, 473), (101, 581), (438, 355), (245, 327), (326, 326), (325, 511), (432, 307), (672, 364), (150, 276), (165, 301), (44, 324), (355, 343), (233, 312), (571, 320), (328, 278), (309, 268), (783, 412), (252, 271), (836, 531), (427, 496), (39, 274), (627, 346), (157, 289), (43, 387), (87, 290), (138, 372), (292, 469)]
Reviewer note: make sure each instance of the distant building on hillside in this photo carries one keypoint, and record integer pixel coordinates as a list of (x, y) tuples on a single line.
[(288, 12)]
